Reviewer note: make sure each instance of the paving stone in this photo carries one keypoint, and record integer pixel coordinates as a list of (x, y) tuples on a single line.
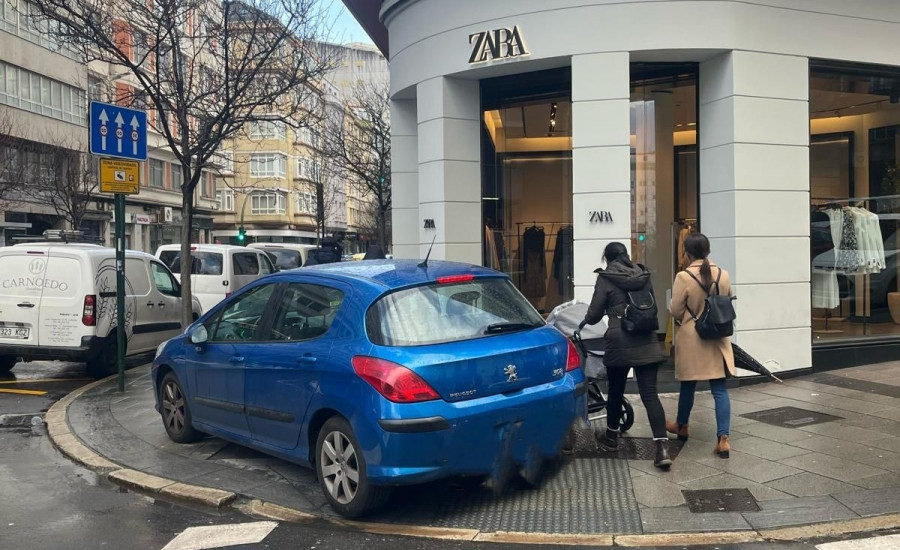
[(680, 472), (808, 484), (840, 431), (753, 468), (886, 442), (872, 502), (774, 433), (889, 479), (679, 519), (728, 481), (833, 467), (892, 413), (656, 493), (856, 452), (281, 493), (770, 450), (232, 479), (797, 511)]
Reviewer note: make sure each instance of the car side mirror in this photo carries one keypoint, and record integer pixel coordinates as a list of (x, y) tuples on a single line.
[(199, 335)]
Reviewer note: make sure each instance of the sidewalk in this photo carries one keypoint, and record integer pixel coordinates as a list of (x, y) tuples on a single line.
[(835, 456)]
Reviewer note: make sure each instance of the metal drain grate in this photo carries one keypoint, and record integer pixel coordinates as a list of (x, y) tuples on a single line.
[(720, 500), (791, 417), (632, 448)]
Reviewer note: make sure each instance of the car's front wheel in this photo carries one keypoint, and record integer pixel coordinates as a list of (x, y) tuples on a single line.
[(341, 470), (175, 411)]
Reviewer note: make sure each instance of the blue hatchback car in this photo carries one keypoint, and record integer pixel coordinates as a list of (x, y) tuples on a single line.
[(376, 373)]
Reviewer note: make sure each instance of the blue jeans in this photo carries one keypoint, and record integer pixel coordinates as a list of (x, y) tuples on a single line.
[(720, 395)]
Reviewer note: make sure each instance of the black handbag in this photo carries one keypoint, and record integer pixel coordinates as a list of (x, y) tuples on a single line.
[(716, 321)]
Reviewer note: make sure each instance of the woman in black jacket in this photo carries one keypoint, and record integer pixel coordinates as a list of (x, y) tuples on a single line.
[(625, 350)]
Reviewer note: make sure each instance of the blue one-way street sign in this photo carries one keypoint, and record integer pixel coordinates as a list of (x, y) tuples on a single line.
[(118, 132)]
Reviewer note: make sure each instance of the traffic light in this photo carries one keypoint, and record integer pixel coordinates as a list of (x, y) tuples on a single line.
[(242, 234)]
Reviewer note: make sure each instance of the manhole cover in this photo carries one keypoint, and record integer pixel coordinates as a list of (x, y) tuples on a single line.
[(790, 417), (632, 448), (720, 500)]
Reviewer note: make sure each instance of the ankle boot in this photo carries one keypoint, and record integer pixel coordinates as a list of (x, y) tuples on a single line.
[(663, 460), (723, 447), (610, 440), (681, 430)]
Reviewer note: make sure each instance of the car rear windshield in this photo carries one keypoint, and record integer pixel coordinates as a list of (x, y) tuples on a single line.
[(285, 259), (441, 313), (202, 263)]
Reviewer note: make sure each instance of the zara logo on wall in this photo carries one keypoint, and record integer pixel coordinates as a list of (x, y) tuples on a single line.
[(496, 44), (600, 216), (429, 223)]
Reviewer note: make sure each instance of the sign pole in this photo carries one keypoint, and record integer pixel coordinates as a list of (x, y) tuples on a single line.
[(120, 287)]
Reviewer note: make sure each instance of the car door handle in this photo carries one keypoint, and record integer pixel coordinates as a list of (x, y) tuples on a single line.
[(161, 304), (237, 359), (149, 304), (25, 304), (306, 359)]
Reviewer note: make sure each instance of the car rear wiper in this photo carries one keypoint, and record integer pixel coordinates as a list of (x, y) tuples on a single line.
[(497, 328)]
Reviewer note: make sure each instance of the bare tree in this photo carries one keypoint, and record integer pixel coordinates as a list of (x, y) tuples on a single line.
[(203, 69), (12, 165), (65, 179), (361, 146), (325, 176)]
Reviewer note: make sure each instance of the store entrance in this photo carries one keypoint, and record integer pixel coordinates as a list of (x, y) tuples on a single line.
[(527, 183)]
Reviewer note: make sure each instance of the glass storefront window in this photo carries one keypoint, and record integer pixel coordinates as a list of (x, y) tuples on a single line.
[(527, 183), (664, 168), (855, 201)]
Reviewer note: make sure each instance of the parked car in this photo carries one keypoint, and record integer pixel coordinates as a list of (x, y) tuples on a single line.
[(285, 255), (376, 374), (58, 302), (217, 270)]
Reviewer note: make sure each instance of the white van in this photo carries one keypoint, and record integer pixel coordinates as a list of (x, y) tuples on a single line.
[(285, 255), (217, 269), (58, 302)]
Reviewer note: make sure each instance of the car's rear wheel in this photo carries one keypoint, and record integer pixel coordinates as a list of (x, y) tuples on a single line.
[(105, 363), (341, 470), (7, 362), (175, 411)]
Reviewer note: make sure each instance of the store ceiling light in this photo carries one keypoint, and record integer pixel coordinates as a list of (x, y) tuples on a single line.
[(553, 108)]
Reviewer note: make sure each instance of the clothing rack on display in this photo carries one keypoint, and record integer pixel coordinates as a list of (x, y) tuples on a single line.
[(555, 226)]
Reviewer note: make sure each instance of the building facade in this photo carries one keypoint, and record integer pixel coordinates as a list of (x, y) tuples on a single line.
[(527, 136), (44, 95)]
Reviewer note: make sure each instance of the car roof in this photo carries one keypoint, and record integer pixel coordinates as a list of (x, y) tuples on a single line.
[(206, 247), (85, 249), (391, 274)]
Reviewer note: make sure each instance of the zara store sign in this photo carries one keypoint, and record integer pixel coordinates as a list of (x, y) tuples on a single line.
[(496, 44)]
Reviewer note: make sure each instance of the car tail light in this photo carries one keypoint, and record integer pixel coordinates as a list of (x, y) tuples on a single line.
[(395, 382), (573, 360), (455, 279), (89, 313)]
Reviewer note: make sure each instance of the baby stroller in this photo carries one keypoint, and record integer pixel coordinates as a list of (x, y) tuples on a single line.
[(590, 345)]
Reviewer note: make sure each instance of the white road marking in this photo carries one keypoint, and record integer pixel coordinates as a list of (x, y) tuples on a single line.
[(217, 536), (887, 542)]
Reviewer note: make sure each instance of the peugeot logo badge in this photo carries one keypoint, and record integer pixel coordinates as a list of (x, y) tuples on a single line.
[(510, 372)]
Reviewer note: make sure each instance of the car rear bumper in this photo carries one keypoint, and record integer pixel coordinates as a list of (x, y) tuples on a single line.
[(89, 348), (484, 436)]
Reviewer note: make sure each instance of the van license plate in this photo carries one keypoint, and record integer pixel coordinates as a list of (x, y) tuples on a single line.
[(7, 332)]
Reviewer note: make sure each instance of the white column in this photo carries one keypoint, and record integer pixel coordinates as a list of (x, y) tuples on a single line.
[(404, 179), (601, 173), (754, 196), (449, 112)]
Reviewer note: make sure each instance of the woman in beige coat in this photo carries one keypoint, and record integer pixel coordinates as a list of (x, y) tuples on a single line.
[(697, 359)]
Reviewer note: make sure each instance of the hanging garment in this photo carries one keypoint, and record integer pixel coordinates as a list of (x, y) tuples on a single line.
[(820, 240), (847, 250), (534, 263), (501, 251), (683, 261), (825, 291), (564, 261), (871, 245)]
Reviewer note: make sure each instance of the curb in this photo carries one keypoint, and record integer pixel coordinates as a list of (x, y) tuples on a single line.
[(68, 443)]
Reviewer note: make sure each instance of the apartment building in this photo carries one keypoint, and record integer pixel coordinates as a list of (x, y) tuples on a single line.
[(44, 95)]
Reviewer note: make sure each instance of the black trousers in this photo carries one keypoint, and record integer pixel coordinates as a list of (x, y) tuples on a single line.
[(646, 380)]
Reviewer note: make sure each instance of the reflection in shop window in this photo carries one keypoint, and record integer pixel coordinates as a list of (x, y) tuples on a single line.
[(855, 200)]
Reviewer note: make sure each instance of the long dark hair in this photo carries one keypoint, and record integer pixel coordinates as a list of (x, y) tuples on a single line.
[(616, 252), (697, 245)]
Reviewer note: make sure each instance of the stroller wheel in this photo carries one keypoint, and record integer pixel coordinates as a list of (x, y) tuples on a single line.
[(627, 420)]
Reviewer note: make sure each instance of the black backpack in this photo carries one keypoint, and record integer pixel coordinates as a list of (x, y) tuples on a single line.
[(640, 312), (717, 318)]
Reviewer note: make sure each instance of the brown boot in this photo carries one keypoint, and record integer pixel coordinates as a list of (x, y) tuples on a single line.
[(681, 430), (723, 447)]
